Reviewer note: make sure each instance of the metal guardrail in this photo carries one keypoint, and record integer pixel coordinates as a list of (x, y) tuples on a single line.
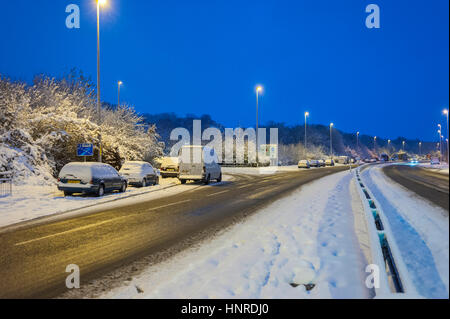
[(6, 183), (395, 279)]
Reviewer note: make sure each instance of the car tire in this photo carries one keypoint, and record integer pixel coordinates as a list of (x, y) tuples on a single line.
[(183, 181), (101, 191), (68, 194), (219, 179), (144, 183), (207, 179), (123, 189)]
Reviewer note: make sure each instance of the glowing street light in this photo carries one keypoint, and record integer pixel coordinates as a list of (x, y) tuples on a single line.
[(403, 145), (306, 152), (420, 148), (99, 3), (118, 92), (259, 90)]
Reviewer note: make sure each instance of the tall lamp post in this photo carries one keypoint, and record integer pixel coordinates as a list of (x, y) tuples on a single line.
[(448, 154), (306, 151), (375, 144), (331, 140), (403, 146), (100, 150), (258, 91), (440, 141), (357, 142), (389, 145), (420, 149), (118, 92)]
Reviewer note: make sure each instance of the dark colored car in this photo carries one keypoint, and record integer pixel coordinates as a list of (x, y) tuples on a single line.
[(90, 178)]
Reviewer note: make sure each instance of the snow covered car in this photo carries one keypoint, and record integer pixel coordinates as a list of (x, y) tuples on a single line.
[(169, 167), (139, 173), (329, 162), (303, 164), (90, 178)]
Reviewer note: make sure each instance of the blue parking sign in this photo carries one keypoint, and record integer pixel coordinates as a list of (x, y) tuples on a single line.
[(86, 149)]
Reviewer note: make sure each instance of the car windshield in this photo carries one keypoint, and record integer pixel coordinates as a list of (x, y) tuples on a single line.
[(131, 167), (75, 171)]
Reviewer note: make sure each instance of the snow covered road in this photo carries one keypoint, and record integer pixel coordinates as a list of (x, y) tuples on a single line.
[(313, 239), (421, 231)]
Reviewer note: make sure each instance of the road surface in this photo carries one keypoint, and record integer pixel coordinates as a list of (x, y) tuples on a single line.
[(431, 185), (34, 256)]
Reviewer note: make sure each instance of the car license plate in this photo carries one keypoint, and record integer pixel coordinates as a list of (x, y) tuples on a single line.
[(73, 182)]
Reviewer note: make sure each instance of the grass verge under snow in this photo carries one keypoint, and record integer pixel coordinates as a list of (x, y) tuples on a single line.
[(307, 239)]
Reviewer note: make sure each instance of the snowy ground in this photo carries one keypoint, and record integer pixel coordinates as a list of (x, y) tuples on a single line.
[(316, 236), (421, 231)]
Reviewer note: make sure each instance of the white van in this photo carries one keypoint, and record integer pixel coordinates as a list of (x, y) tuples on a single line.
[(198, 163)]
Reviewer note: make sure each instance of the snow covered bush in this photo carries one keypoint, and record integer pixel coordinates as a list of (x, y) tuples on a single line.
[(41, 125)]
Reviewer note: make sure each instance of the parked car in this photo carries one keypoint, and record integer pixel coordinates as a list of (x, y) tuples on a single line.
[(199, 163), (314, 163), (304, 164), (139, 173), (329, 162), (321, 163), (414, 160), (90, 178), (435, 161), (169, 167)]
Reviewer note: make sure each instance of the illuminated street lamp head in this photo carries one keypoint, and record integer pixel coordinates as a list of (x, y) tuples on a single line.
[(331, 124), (259, 89), (101, 2), (445, 111), (306, 114), (357, 133), (120, 82), (375, 138)]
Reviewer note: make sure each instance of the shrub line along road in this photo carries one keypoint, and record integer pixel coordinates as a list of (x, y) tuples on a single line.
[(34, 256), (431, 185)]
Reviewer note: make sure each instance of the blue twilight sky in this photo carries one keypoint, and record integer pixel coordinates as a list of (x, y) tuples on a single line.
[(206, 56)]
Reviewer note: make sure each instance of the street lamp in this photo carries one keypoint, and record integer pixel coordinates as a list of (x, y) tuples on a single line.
[(440, 142), (357, 141), (259, 90), (389, 145), (420, 148), (99, 3), (448, 155), (403, 146), (375, 144), (331, 140), (118, 92), (306, 152)]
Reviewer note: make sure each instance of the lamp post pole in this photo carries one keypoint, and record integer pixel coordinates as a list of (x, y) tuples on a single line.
[(306, 150), (118, 92), (100, 150), (258, 90), (331, 140)]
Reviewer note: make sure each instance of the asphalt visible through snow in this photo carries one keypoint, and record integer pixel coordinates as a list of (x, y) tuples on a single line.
[(424, 182), (34, 257)]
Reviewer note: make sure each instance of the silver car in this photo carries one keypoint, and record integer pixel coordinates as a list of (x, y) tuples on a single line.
[(139, 173)]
